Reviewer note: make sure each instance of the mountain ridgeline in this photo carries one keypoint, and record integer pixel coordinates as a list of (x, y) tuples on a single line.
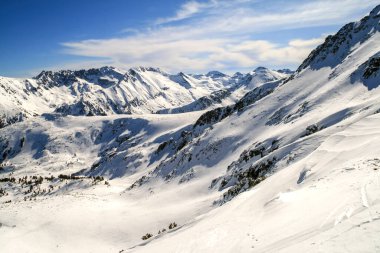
[(108, 90)]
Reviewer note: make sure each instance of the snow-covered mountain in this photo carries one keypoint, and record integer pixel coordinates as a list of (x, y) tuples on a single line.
[(238, 86), (291, 166), (108, 90), (319, 95)]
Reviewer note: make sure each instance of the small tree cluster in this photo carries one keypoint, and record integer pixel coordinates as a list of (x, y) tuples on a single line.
[(38, 180), (2, 192), (97, 179), (31, 183), (8, 179), (147, 236), (172, 225), (51, 178), (162, 231), (69, 177), (32, 186)]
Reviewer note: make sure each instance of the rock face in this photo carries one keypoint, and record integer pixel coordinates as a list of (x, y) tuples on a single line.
[(215, 98), (369, 72), (337, 47)]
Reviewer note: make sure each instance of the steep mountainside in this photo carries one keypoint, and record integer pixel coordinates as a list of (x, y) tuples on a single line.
[(269, 129)]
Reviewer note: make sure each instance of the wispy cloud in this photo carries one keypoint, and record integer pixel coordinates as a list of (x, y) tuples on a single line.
[(222, 36), (194, 55), (187, 10)]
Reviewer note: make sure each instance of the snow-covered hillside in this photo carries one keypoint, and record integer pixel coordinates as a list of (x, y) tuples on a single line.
[(290, 166)]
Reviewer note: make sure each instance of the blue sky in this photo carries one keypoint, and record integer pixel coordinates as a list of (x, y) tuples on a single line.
[(176, 35)]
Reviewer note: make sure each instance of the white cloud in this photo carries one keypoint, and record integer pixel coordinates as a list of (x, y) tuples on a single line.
[(305, 43), (187, 10), (196, 54), (129, 30), (222, 37), (266, 52)]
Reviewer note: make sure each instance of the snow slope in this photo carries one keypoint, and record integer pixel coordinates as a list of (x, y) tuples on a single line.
[(87, 215), (327, 202), (292, 166)]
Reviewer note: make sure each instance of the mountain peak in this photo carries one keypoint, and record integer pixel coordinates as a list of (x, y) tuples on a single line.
[(375, 12), (260, 69), (151, 69), (237, 75), (338, 46), (215, 74), (108, 69)]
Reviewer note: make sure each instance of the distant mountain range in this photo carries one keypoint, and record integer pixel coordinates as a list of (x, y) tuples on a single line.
[(108, 90)]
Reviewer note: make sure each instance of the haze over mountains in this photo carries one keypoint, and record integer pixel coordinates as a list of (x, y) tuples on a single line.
[(268, 161)]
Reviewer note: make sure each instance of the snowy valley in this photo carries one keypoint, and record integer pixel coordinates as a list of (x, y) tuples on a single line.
[(140, 160)]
